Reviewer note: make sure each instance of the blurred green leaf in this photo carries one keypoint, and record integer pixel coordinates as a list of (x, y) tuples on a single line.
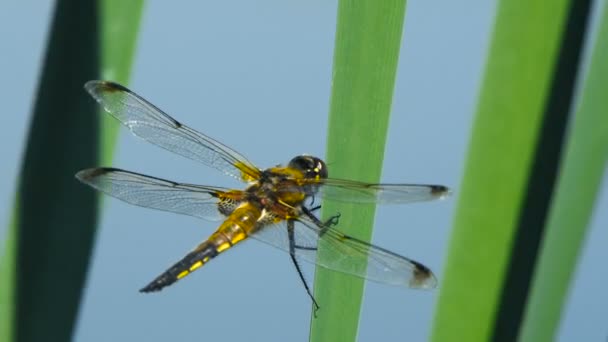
[(53, 226), (511, 169), (580, 179)]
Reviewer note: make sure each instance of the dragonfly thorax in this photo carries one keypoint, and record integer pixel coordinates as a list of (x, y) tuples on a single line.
[(276, 189), (284, 189)]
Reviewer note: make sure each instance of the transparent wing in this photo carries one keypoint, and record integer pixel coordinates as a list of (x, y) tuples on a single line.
[(360, 192), (346, 254), (153, 125), (209, 203)]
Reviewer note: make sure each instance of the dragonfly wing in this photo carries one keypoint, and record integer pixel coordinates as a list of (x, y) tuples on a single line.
[(360, 192), (349, 255), (209, 203), (153, 125)]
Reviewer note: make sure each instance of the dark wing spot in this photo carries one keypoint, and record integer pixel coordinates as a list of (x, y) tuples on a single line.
[(421, 272), (439, 190), (107, 86), (89, 174)]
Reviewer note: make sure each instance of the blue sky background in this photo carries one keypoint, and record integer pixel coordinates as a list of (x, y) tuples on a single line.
[(258, 78)]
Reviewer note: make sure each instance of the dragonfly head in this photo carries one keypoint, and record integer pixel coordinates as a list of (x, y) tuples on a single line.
[(311, 167)]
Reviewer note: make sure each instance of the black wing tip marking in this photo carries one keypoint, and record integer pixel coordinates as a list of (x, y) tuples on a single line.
[(440, 191), (423, 277), (94, 86), (88, 174)]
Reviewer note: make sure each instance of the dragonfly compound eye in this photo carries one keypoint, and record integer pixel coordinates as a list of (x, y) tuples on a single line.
[(312, 167)]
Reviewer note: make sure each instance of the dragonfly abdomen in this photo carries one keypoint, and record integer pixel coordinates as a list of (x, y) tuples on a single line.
[(235, 229)]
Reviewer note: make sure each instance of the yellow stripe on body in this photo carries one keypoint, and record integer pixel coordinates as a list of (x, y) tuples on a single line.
[(235, 229), (196, 265), (223, 246), (192, 268)]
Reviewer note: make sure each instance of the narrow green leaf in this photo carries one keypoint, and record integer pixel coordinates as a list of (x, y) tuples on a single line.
[(512, 113), (368, 39), (118, 40), (580, 178), (53, 227), (7, 284)]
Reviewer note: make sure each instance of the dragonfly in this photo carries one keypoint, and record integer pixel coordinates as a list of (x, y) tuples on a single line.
[(275, 207)]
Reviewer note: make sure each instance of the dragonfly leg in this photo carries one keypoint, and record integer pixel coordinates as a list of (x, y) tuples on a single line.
[(305, 248), (292, 254), (332, 221), (313, 209)]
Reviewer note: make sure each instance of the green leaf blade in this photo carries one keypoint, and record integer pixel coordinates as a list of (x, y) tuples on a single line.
[(368, 40), (584, 164), (507, 127), (52, 230)]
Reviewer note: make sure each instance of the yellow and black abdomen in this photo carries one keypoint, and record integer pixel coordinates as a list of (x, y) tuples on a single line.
[(236, 228)]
